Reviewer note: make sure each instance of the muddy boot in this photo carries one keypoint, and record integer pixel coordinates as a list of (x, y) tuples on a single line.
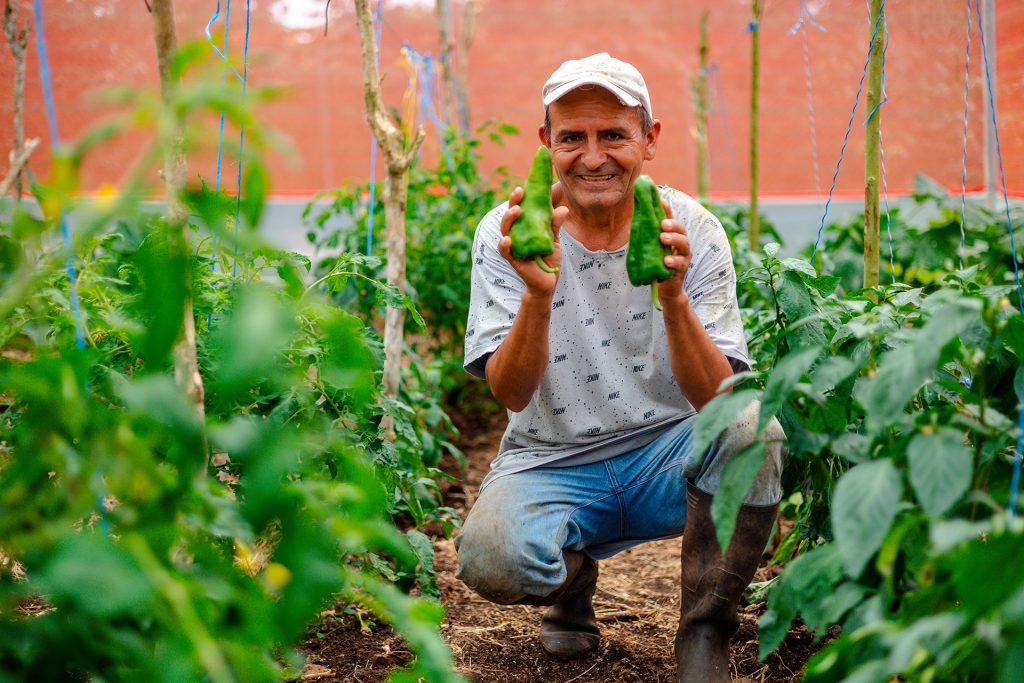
[(712, 586), (568, 630)]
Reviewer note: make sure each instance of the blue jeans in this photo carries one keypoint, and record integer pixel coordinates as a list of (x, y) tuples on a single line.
[(511, 544)]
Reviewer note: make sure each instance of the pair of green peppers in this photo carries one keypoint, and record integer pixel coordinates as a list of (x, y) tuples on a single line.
[(645, 259)]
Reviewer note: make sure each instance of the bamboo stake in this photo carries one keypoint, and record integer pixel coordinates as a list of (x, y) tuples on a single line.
[(398, 155), (469, 12), (18, 42), (445, 48), (700, 105), (871, 148), (186, 363), (754, 231)]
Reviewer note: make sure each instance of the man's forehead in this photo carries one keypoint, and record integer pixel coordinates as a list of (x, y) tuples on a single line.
[(592, 103)]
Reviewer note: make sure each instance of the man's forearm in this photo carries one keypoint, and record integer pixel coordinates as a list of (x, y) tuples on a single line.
[(698, 365), (515, 369)]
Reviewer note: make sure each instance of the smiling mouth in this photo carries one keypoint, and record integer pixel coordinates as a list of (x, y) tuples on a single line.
[(596, 178)]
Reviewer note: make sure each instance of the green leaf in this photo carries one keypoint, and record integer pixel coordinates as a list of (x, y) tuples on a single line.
[(737, 477), (717, 415), (805, 581), (795, 301), (832, 371), (162, 264), (783, 379), (424, 549), (96, 576), (254, 192), (825, 284), (864, 504), (903, 370), (799, 265), (940, 469)]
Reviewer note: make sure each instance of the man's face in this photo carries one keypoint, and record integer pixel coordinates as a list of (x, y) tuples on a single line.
[(598, 148)]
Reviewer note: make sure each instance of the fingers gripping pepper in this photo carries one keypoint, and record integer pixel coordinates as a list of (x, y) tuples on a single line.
[(645, 259), (531, 232)]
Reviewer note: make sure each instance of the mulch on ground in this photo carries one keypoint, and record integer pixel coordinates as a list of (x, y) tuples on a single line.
[(637, 604)]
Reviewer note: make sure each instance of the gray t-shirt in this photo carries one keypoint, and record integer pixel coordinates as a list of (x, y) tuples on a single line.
[(608, 387)]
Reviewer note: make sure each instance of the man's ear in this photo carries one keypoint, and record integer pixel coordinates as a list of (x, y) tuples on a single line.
[(651, 139), (543, 136)]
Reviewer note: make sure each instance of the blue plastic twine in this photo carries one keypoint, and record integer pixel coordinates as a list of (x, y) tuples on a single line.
[(849, 127), (220, 131), (801, 25), (65, 232), (1015, 479), (241, 142), (51, 118), (715, 83), (221, 53)]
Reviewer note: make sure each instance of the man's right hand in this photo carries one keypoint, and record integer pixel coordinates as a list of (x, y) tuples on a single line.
[(538, 282)]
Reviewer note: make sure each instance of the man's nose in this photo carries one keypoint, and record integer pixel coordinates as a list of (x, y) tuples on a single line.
[(593, 155)]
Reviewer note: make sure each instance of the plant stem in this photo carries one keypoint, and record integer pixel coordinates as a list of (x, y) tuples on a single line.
[(186, 362), (398, 155)]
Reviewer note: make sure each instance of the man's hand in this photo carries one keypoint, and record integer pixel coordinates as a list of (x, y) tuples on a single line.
[(537, 281), (674, 235)]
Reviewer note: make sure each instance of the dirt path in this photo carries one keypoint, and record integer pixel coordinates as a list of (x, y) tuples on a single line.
[(637, 603)]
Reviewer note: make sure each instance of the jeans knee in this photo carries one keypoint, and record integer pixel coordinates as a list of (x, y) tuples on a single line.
[(498, 563), (741, 433)]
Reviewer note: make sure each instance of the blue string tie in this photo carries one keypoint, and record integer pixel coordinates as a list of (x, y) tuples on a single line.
[(1015, 478)]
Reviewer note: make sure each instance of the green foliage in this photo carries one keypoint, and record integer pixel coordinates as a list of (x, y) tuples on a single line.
[(444, 206), (897, 405), (154, 564)]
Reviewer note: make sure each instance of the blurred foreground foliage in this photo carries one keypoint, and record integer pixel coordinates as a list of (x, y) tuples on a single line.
[(124, 555)]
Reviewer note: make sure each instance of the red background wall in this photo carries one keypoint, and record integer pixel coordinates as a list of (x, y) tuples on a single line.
[(98, 43)]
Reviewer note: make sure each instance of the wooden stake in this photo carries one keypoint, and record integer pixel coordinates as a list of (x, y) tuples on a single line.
[(18, 42), (700, 106), (398, 155), (754, 231), (871, 148), (469, 12), (445, 48), (186, 364)]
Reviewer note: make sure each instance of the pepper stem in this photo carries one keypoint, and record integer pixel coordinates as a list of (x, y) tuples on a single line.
[(654, 295), (545, 267)]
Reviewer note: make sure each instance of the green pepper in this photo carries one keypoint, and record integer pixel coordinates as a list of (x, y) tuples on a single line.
[(645, 259), (531, 232)]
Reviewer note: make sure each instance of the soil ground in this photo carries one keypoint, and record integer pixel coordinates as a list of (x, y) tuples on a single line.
[(637, 603)]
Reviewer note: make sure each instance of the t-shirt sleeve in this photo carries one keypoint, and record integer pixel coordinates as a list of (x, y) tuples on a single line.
[(495, 294), (711, 285)]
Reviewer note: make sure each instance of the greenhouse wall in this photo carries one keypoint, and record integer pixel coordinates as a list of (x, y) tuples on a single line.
[(517, 43)]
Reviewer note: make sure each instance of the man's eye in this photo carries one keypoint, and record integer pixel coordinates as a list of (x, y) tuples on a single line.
[(613, 136)]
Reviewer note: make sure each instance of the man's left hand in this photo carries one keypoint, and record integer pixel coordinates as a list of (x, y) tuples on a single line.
[(674, 235)]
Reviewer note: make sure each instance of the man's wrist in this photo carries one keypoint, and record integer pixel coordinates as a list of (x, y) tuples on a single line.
[(538, 299), (674, 304)]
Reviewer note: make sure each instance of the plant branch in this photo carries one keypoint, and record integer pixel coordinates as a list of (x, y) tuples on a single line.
[(18, 161)]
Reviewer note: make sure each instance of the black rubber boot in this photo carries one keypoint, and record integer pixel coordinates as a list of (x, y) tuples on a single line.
[(711, 585), (568, 630)]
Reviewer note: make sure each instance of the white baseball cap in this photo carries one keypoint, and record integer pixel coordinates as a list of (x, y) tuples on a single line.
[(620, 78)]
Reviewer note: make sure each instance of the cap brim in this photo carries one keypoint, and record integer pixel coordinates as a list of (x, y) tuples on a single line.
[(561, 90)]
